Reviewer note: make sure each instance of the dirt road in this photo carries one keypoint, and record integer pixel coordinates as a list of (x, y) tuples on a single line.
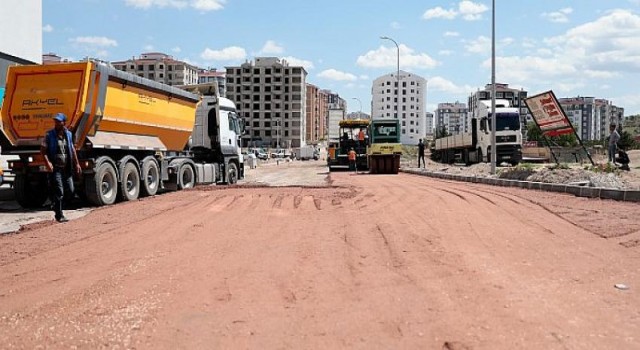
[(370, 262)]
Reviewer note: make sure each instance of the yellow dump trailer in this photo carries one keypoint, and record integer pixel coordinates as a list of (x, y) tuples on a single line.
[(124, 127)]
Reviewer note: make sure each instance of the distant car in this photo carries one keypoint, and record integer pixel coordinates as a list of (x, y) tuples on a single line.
[(279, 153), (259, 153)]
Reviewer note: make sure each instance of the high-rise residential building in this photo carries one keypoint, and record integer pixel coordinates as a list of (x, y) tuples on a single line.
[(161, 68), (52, 58), (213, 76), (317, 113), (21, 39), (591, 116), (515, 97), (453, 117), (429, 132), (407, 104), (271, 96)]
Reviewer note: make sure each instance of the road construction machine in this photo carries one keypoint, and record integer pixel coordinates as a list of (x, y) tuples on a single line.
[(385, 149), (353, 135)]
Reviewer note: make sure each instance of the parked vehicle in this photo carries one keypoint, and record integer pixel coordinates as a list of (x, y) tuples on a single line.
[(134, 136), (278, 153), (260, 153), (475, 146), (306, 153)]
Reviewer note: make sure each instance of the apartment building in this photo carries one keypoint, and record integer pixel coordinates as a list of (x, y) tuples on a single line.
[(213, 76), (317, 113), (430, 130), (160, 67), (515, 97), (21, 40), (271, 96), (591, 116), (406, 103), (452, 116)]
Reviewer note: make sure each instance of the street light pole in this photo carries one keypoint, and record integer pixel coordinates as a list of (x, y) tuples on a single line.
[(493, 88), (397, 76), (360, 111)]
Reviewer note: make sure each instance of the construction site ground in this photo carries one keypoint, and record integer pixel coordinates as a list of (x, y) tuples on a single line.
[(297, 257)]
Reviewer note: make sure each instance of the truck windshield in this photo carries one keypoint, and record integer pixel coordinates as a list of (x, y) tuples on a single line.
[(506, 121)]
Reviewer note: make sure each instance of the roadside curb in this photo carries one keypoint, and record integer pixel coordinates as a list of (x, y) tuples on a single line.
[(578, 191)]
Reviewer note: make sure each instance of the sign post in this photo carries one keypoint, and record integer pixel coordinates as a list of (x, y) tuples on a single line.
[(551, 119)]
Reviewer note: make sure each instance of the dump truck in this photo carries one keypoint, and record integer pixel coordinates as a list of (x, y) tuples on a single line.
[(384, 149), (134, 136), (475, 146)]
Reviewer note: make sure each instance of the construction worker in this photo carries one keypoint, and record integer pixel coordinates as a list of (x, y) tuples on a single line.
[(352, 159), (361, 137)]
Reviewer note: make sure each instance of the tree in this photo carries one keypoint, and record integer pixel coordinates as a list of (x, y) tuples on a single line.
[(441, 132), (535, 134), (626, 141)]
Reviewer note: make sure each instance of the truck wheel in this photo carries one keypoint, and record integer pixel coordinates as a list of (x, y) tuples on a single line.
[(149, 178), (30, 193), (232, 174), (186, 177), (102, 187), (130, 184)]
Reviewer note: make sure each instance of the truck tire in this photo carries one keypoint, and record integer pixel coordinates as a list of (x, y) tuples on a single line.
[(30, 193), (102, 187), (186, 176), (149, 177), (232, 174), (130, 183)]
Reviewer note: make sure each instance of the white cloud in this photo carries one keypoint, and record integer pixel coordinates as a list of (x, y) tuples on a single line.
[(444, 85), (333, 74), (363, 77), (451, 34), (96, 41), (176, 49), (201, 5), (439, 12), (482, 44), (148, 48), (606, 44), (232, 53), (271, 47), (468, 10), (445, 52), (47, 28), (208, 5), (395, 25), (471, 11), (93, 46), (293, 61), (560, 16), (386, 57)]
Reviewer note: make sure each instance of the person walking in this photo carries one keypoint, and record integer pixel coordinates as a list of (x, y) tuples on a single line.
[(352, 160), (421, 154), (61, 161), (614, 137)]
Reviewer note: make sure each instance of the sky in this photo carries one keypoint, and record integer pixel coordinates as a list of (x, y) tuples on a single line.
[(573, 47)]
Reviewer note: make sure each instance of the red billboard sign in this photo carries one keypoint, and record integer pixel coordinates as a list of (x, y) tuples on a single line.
[(548, 114)]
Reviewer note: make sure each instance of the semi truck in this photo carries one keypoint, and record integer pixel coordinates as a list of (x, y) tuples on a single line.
[(475, 146), (133, 136)]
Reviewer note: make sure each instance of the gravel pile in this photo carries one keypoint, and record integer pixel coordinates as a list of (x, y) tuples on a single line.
[(576, 174)]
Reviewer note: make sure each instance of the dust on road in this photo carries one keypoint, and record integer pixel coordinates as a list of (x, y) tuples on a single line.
[(371, 262)]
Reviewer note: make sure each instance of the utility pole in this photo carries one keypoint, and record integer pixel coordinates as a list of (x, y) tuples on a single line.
[(397, 76)]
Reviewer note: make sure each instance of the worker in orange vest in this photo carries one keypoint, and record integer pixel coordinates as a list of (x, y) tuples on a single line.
[(352, 160), (361, 137)]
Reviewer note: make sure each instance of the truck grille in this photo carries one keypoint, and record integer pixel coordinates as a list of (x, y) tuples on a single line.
[(504, 139)]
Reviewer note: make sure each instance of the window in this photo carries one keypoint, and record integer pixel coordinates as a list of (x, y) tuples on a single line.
[(140, 67)]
